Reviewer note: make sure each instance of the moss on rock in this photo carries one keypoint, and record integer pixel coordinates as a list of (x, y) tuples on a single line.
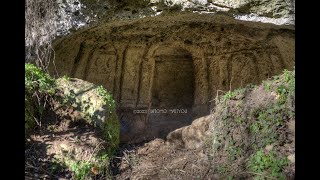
[(95, 104), (96, 107)]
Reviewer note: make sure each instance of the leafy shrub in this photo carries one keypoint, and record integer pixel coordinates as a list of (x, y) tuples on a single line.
[(81, 169), (38, 87), (37, 80), (267, 163), (107, 97), (112, 127)]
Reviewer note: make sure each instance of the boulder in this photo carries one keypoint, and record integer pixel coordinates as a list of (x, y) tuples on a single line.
[(94, 105)]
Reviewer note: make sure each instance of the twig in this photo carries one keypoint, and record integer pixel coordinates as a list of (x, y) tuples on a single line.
[(94, 151), (167, 169), (207, 171), (180, 170), (230, 83), (126, 157), (216, 99), (38, 123)]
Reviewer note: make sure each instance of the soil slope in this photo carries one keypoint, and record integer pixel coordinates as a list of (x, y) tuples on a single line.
[(250, 134)]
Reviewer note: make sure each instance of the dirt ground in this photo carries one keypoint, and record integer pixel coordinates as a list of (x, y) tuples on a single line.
[(181, 159), (187, 152), (158, 160), (59, 134), (133, 161)]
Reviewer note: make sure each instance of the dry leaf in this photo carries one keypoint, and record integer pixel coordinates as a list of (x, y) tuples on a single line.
[(95, 170)]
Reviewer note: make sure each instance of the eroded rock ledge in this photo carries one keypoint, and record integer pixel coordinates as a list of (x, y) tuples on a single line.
[(177, 61)]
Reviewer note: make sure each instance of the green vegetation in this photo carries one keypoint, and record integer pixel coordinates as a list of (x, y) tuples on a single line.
[(267, 164), (97, 165), (38, 80), (228, 95), (29, 114), (239, 119), (95, 104), (284, 86), (264, 127), (38, 87), (267, 85), (56, 167), (223, 169), (66, 77), (242, 129), (111, 132), (232, 95), (96, 107), (107, 97), (81, 169), (112, 127), (234, 151)]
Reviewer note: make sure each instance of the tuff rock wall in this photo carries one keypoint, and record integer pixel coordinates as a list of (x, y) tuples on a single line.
[(174, 61)]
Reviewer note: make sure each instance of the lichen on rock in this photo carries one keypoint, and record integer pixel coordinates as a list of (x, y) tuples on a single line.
[(96, 108)]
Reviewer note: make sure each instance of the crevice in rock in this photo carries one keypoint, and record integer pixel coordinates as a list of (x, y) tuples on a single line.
[(77, 59), (121, 70)]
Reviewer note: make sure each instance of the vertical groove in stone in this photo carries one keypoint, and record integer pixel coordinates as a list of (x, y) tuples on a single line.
[(144, 60), (88, 64), (207, 60), (256, 67), (282, 63), (153, 62), (115, 72), (119, 54), (122, 72), (139, 82), (229, 75), (248, 59), (77, 59)]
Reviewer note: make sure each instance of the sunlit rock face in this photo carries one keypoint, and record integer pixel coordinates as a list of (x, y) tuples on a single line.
[(74, 14)]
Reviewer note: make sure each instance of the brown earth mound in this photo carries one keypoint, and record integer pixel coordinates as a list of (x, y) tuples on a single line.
[(249, 135)]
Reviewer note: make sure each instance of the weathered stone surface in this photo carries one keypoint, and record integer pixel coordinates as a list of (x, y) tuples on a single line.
[(269, 8), (191, 136), (74, 14), (82, 96), (138, 60), (86, 98)]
